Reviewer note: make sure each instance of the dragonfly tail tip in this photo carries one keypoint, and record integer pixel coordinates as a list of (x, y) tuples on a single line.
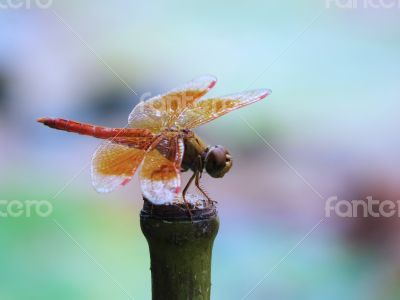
[(41, 120)]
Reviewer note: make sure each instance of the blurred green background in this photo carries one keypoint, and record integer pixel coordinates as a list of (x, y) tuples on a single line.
[(330, 129)]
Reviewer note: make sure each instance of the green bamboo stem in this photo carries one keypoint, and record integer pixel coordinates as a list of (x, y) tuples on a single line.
[(180, 250)]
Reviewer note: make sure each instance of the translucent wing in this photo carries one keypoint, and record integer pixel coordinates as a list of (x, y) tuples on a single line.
[(114, 165), (207, 110), (162, 111), (160, 178)]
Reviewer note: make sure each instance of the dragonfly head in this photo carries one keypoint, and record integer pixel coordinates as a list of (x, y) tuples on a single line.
[(218, 161)]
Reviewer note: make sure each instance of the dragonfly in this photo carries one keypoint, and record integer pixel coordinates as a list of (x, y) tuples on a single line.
[(159, 138)]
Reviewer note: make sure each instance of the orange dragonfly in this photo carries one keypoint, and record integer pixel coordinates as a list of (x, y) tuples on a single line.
[(159, 137)]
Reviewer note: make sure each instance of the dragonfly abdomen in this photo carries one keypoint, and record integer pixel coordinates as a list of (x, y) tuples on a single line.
[(92, 130)]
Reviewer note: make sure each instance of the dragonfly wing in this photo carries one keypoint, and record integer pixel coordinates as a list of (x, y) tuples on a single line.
[(207, 110), (162, 111), (114, 165), (160, 177)]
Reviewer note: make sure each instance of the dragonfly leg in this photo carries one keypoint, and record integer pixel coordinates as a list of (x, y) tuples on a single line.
[(185, 191), (200, 188), (198, 174), (187, 186)]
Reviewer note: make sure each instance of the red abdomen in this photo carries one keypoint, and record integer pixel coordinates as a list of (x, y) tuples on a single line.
[(92, 130)]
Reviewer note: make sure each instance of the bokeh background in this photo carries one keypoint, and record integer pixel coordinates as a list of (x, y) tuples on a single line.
[(330, 128)]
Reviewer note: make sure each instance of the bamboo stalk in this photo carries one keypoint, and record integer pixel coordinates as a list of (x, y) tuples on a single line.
[(180, 250)]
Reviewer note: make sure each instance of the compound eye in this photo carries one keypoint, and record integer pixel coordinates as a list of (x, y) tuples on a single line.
[(218, 161)]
